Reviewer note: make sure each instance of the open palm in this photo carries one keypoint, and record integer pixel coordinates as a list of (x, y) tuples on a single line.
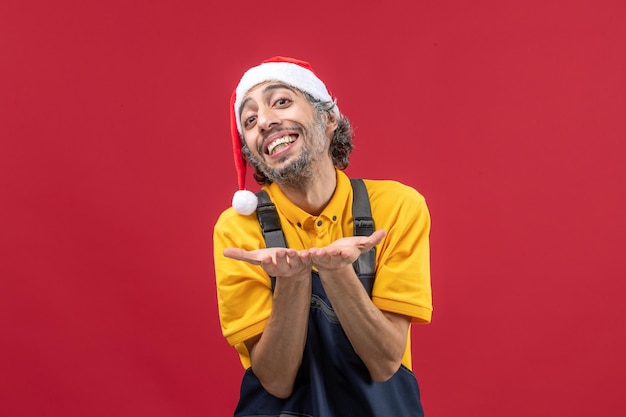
[(275, 261), (289, 262), (344, 251)]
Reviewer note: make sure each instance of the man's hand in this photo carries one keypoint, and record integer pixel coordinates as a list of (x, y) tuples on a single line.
[(289, 262), (345, 251), (281, 262)]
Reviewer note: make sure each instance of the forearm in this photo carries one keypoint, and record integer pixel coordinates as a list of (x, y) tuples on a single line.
[(277, 354), (378, 338)]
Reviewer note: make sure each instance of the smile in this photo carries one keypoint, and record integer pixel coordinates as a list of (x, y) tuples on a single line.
[(280, 143)]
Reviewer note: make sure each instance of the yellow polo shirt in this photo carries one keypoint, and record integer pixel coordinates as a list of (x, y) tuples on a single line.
[(402, 282)]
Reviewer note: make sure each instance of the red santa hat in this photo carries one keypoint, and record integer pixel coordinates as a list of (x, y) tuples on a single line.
[(293, 72)]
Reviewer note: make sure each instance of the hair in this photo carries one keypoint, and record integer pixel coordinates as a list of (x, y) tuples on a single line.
[(340, 144)]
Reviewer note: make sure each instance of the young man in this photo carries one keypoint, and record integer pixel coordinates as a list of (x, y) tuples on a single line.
[(315, 335)]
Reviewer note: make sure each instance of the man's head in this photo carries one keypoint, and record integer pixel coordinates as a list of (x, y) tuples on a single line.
[(285, 138), (281, 101)]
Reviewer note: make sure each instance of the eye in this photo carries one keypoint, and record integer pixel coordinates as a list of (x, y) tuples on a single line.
[(249, 121), (282, 102)]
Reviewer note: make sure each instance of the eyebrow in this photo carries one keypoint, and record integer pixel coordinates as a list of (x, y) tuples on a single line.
[(267, 88)]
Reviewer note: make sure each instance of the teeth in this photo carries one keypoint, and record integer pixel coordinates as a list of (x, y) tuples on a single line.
[(284, 140)]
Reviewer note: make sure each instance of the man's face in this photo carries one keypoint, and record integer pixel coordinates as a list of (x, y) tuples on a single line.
[(286, 138)]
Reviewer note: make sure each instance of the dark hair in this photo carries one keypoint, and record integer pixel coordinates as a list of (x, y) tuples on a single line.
[(340, 144)]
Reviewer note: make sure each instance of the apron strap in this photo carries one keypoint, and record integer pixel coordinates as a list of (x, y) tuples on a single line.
[(363, 226)]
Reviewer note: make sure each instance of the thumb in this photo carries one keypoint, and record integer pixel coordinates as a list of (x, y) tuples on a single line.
[(377, 237)]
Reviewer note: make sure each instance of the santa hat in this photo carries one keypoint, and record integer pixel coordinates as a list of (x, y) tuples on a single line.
[(293, 72)]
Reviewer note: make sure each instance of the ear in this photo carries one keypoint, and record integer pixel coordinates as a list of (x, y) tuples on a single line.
[(331, 123)]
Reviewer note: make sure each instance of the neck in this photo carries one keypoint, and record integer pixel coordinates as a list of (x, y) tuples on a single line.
[(314, 195)]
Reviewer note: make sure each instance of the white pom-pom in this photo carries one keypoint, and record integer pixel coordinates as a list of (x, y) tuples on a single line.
[(245, 202)]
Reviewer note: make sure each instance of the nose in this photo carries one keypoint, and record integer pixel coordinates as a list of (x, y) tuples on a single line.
[(267, 118)]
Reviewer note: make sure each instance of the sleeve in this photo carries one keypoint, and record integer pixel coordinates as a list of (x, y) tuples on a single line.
[(244, 292), (402, 282)]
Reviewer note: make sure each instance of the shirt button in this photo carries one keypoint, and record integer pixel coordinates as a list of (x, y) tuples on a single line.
[(334, 218), (319, 222), (299, 224)]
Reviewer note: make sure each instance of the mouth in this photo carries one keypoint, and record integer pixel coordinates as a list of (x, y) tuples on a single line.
[(279, 144)]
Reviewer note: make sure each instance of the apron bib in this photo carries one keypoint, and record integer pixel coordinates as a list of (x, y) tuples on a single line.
[(332, 381)]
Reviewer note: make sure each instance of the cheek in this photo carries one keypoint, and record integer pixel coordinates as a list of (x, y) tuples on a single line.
[(249, 143)]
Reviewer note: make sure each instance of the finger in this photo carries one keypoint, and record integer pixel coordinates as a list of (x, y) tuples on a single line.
[(377, 236), (295, 262), (282, 260), (292, 257), (234, 253), (318, 252), (372, 240), (267, 261), (241, 255)]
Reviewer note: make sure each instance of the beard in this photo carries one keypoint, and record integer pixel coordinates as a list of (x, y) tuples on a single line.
[(301, 169)]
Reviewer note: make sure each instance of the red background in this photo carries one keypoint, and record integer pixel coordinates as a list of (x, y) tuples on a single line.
[(115, 162)]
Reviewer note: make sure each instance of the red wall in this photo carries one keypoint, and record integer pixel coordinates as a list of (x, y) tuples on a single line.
[(115, 163)]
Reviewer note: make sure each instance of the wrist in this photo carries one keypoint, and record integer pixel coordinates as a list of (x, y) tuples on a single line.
[(337, 270)]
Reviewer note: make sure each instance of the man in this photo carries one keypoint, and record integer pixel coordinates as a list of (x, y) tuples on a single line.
[(314, 337)]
